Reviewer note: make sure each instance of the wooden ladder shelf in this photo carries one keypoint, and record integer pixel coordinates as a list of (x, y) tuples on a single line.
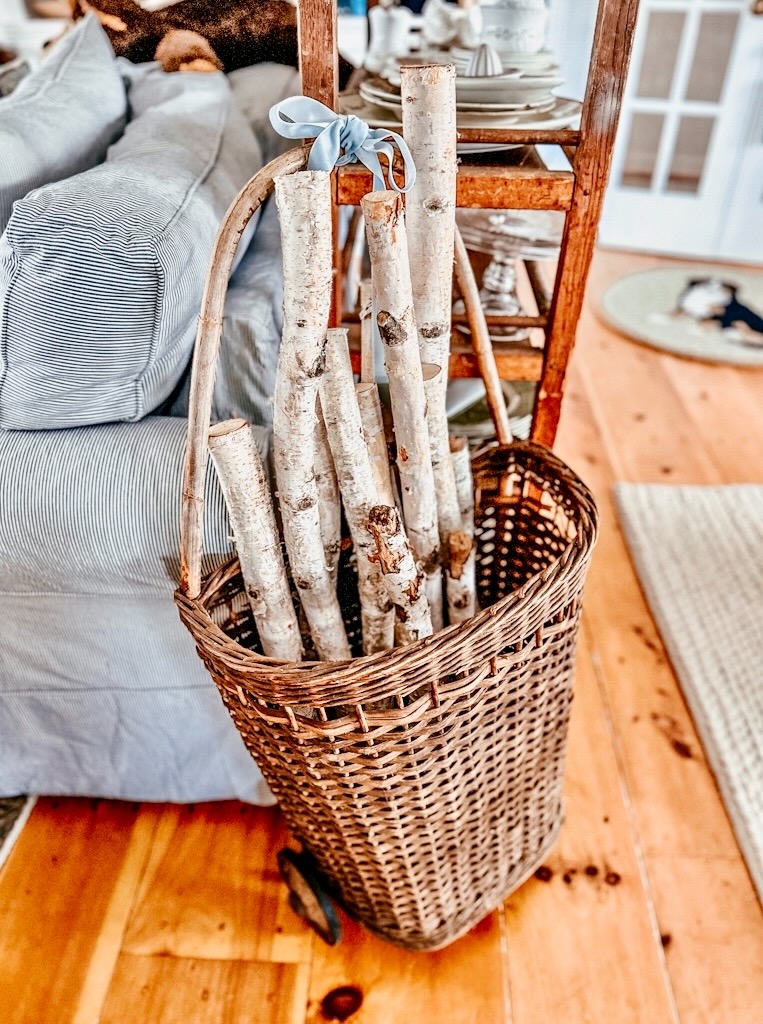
[(524, 184)]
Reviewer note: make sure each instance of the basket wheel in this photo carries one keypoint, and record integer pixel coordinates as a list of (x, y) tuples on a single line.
[(307, 896)]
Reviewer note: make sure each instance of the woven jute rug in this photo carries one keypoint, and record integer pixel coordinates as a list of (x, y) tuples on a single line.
[(712, 313), (698, 552), (14, 811)]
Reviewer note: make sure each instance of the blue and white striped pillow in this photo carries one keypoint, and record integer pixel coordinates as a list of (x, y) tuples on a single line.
[(101, 275), (61, 119)]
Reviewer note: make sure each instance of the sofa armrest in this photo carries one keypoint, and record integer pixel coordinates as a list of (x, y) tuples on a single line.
[(96, 510)]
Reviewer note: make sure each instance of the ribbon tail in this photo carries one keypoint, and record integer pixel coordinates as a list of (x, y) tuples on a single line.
[(371, 160)]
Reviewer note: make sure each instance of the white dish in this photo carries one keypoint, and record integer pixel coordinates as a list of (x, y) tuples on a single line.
[(501, 90), (539, 106), (543, 102), (511, 95), (377, 117), (561, 115)]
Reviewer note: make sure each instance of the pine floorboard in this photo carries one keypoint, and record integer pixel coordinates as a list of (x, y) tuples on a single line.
[(646, 914)]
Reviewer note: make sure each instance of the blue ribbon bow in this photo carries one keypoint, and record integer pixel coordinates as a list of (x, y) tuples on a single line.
[(341, 140)]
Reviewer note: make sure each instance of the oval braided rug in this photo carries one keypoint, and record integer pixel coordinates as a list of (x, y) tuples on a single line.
[(646, 307)]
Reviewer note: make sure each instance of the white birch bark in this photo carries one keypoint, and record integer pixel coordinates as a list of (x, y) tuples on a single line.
[(304, 207), (429, 127), (455, 544), (405, 582), (356, 482), (245, 485), (462, 466), (372, 421), (367, 367), (329, 506), (385, 229)]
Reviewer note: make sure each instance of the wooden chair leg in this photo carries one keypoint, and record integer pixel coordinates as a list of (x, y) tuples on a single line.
[(610, 57), (318, 53)]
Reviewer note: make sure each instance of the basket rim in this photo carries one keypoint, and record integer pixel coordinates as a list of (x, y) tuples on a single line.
[(371, 664)]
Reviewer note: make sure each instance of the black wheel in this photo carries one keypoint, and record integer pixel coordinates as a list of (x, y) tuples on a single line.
[(307, 897)]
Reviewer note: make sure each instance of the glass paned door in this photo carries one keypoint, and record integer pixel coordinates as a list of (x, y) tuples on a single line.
[(690, 143)]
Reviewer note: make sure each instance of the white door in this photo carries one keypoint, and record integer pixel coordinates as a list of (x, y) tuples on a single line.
[(687, 171)]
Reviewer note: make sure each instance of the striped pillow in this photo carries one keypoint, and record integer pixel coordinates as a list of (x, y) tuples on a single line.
[(252, 323), (101, 275), (61, 119)]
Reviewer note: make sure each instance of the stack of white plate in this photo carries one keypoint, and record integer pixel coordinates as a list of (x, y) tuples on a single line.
[(509, 100)]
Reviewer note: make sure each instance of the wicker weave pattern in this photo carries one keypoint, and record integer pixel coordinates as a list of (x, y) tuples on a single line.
[(426, 781)]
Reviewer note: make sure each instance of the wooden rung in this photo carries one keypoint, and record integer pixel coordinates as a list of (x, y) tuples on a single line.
[(493, 319), (505, 320), (497, 188), (513, 363), (540, 288), (560, 137), (514, 188)]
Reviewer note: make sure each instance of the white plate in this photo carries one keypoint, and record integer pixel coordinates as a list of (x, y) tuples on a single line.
[(561, 115), (513, 96), (378, 117), (381, 99), (539, 106)]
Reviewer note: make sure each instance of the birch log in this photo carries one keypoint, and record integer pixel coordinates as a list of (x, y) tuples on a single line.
[(356, 482), (462, 466), (329, 508), (405, 582), (429, 127), (245, 485), (304, 207), (372, 421), (385, 229), (367, 367), (455, 543)]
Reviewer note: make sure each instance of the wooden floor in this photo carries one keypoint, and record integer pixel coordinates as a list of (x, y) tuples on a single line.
[(646, 914)]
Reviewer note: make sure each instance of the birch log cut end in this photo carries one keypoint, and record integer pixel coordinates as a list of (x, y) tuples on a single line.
[(384, 207)]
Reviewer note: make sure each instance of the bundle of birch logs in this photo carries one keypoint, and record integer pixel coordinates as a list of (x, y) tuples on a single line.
[(415, 558)]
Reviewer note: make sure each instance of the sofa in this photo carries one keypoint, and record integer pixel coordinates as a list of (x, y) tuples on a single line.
[(101, 690)]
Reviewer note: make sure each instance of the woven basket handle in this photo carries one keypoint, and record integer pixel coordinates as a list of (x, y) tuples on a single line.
[(207, 347), (205, 353)]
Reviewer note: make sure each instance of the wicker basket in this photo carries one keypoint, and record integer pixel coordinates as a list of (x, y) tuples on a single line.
[(425, 781)]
